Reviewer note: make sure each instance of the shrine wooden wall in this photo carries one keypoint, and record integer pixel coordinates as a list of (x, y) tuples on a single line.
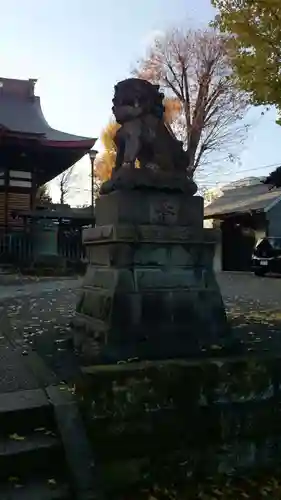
[(16, 194)]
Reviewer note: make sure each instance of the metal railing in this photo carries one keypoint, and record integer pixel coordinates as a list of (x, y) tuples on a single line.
[(18, 247), (70, 246)]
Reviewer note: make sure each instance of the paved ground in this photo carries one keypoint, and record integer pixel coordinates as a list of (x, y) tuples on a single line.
[(37, 316), (248, 289), (253, 305)]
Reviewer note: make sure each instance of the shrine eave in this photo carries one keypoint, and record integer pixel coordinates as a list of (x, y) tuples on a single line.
[(23, 119), (82, 144)]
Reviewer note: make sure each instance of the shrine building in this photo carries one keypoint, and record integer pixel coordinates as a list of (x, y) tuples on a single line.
[(31, 152)]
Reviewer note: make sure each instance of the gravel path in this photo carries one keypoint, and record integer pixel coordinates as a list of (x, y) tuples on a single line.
[(38, 316)]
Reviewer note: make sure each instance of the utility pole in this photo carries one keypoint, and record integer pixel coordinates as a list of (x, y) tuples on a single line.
[(92, 155)]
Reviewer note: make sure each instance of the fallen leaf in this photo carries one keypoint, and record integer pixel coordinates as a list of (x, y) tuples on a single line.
[(218, 492), (16, 437), (49, 433)]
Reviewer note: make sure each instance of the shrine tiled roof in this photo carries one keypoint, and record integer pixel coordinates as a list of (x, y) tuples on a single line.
[(256, 197), (20, 112)]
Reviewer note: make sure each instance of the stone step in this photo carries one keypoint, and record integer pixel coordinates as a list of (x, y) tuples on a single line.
[(42, 436), (32, 457), (50, 490), (23, 411), (16, 444)]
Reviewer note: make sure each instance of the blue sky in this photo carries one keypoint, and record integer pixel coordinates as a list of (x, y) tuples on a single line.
[(78, 49)]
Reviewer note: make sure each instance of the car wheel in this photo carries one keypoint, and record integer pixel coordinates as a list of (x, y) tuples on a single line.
[(260, 272)]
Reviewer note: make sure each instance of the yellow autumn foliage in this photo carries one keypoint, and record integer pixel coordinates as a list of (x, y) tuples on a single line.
[(107, 136), (173, 108), (106, 159)]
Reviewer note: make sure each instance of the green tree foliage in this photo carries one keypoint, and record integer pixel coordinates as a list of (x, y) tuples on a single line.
[(254, 27)]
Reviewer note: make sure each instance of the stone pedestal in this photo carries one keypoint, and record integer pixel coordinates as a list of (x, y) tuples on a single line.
[(149, 292)]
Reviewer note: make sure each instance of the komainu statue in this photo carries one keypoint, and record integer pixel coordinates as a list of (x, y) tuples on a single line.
[(138, 108), (144, 137)]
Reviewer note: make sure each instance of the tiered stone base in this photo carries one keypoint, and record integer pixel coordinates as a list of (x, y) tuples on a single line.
[(204, 428), (149, 291)]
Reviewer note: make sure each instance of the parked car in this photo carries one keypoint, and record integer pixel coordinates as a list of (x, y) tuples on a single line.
[(266, 256)]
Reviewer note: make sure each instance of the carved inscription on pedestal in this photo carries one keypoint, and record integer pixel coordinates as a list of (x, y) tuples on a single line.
[(164, 212)]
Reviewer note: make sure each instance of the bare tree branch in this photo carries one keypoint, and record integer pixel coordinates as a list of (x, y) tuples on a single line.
[(194, 67), (64, 182)]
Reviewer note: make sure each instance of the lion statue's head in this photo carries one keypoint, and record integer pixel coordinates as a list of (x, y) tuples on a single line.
[(135, 97)]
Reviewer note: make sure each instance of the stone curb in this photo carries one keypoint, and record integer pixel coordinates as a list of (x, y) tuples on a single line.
[(7, 280)]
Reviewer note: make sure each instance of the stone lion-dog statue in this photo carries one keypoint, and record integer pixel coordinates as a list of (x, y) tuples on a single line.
[(143, 135)]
